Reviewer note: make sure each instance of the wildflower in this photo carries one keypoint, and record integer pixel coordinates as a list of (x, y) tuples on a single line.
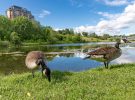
[(28, 94)]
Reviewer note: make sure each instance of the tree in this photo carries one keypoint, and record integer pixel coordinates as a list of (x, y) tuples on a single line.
[(5, 28), (15, 39), (77, 38), (66, 31), (85, 34), (23, 26), (49, 35), (93, 35), (105, 36), (37, 31)]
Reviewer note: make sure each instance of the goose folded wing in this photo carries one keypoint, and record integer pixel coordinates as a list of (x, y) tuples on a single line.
[(103, 51)]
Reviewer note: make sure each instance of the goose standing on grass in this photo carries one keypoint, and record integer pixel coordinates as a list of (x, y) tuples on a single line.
[(34, 59), (106, 54)]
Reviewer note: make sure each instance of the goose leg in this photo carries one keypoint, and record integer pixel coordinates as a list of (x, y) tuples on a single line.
[(32, 73), (42, 72), (105, 64)]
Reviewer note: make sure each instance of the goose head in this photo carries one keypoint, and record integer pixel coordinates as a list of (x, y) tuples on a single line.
[(45, 70)]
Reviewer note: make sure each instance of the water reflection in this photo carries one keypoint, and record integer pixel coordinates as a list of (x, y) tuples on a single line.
[(14, 63), (128, 56), (63, 63)]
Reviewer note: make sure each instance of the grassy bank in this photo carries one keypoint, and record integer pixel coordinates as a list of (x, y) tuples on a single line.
[(116, 83)]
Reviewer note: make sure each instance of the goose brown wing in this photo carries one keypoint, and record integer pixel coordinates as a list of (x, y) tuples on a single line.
[(103, 51)]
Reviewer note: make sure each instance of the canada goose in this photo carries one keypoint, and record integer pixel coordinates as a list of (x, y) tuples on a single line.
[(34, 59), (106, 54)]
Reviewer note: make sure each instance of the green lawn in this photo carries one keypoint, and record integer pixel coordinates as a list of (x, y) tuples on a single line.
[(116, 83)]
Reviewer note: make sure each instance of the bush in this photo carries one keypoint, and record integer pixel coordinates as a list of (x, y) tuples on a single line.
[(15, 39), (4, 43)]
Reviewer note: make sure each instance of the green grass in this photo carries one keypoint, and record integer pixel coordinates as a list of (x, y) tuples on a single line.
[(116, 83)]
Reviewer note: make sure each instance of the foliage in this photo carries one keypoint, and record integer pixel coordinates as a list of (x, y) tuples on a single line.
[(23, 26), (85, 34), (5, 28), (94, 35), (105, 36), (116, 83), (15, 39), (4, 44), (32, 31)]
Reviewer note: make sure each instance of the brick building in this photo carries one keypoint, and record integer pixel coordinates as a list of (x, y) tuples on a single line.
[(15, 11)]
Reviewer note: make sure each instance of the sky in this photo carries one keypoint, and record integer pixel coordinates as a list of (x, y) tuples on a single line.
[(100, 16)]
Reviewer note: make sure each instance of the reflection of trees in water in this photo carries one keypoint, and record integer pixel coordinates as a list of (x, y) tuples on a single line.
[(15, 64), (57, 48), (26, 49), (12, 64)]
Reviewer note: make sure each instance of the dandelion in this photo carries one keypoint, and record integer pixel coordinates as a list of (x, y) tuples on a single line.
[(28, 94)]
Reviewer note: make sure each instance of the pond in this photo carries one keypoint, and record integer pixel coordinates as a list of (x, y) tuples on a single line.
[(62, 57)]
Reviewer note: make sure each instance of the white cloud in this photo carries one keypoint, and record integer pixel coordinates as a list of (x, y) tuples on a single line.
[(114, 22), (108, 16), (115, 2), (57, 29), (44, 13)]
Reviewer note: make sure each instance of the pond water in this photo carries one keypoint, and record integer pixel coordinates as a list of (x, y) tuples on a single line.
[(62, 57)]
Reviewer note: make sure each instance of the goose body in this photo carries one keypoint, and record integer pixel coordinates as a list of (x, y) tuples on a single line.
[(32, 58), (106, 54), (35, 59)]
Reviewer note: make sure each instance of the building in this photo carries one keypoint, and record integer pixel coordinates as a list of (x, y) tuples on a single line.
[(15, 11)]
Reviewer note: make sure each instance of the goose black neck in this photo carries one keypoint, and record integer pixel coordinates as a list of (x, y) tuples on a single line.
[(44, 66), (117, 45)]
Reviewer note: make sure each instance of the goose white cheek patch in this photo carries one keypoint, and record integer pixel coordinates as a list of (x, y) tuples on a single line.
[(44, 71)]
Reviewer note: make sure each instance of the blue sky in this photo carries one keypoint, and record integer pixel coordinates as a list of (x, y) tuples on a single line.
[(100, 16)]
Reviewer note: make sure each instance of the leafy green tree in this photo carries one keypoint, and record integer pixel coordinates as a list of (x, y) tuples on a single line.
[(47, 32), (105, 36), (49, 35), (24, 29), (66, 31), (60, 37), (77, 38), (93, 35), (23, 26), (15, 39), (37, 31), (85, 34), (5, 28)]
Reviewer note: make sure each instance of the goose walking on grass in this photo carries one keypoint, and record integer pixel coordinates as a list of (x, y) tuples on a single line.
[(35, 59), (105, 54)]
